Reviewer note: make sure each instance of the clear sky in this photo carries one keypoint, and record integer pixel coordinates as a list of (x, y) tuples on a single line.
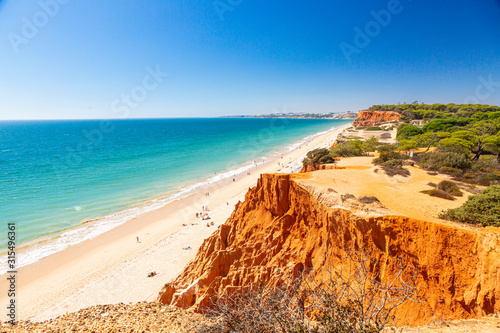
[(173, 58)]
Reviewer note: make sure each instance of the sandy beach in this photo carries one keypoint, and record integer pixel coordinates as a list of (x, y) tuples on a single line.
[(113, 267)]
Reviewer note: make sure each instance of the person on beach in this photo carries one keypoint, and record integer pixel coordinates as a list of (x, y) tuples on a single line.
[(137, 237)]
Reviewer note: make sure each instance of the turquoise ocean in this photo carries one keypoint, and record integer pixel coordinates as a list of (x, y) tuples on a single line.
[(57, 175)]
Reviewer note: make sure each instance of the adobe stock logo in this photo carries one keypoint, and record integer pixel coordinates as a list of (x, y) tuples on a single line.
[(225, 6), (30, 27), (372, 29), (484, 90)]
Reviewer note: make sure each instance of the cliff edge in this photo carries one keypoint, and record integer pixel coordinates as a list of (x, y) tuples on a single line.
[(283, 227), (374, 118)]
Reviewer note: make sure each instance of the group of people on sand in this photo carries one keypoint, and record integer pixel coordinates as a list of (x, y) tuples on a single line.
[(204, 216), (153, 273)]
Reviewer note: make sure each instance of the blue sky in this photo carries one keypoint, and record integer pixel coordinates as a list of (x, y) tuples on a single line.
[(162, 58)]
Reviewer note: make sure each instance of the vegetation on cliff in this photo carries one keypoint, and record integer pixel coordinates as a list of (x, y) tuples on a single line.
[(437, 110), (348, 298), (445, 190), (318, 156), (466, 140), (391, 162), (348, 148), (472, 127), (282, 228), (460, 140), (483, 208)]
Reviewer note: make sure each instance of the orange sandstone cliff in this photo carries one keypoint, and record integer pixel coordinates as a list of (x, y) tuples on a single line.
[(282, 227), (374, 118)]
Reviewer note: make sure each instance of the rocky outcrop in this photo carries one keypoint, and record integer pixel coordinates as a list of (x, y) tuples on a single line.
[(138, 317), (374, 118), (282, 228)]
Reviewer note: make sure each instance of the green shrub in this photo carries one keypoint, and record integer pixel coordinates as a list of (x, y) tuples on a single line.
[(444, 125), (392, 171), (368, 200), (433, 161), (439, 193), (487, 179), (388, 156), (393, 163), (318, 156), (369, 144), (483, 208), (454, 172), (486, 163), (407, 131), (450, 187), (387, 148), (348, 148), (374, 128)]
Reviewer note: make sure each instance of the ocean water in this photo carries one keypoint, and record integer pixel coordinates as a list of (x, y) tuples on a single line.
[(57, 175)]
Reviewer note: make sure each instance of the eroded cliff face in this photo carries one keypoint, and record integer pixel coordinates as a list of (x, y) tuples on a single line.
[(281, 227), (374, 118)]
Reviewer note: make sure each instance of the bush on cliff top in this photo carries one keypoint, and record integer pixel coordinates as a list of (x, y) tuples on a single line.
[(483, 208), (439, 193), (450, 158), (449, 187), (391, 162), (354, 147), (386, 156), (318, 156), (348, 148)]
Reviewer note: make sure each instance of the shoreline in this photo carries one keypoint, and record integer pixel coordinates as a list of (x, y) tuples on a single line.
[(112, 267), (34, 250)]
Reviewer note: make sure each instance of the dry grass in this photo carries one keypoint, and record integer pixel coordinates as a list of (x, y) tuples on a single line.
[(439, 194)]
